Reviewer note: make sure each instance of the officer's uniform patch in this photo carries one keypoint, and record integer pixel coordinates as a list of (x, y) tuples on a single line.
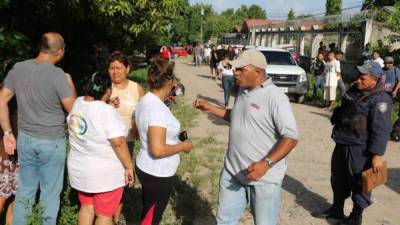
[(382, 107)]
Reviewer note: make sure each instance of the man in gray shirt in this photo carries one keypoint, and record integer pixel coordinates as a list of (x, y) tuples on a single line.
[(197, 54), (42, 92), (263, 131)]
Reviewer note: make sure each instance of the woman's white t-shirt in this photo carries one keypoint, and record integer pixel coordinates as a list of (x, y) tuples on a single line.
[(227, 69), (332, 69), (93, 166), (151, 111)]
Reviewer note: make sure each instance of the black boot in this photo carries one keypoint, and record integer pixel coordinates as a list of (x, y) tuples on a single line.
[(355, 217), (335, 212)]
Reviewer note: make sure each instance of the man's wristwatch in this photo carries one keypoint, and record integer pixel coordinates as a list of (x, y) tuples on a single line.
[(8, 132), (270, 162)]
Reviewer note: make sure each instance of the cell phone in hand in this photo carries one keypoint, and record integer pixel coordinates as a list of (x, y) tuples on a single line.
[(183, 136)]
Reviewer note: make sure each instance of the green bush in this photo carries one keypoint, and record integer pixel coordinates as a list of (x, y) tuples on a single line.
[(139, 76), (69, 207), (36, 216)]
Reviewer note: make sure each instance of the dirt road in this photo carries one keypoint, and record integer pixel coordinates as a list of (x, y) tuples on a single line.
[(306, 187)]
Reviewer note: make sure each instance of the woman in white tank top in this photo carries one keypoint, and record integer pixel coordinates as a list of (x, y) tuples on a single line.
[(125, 96)]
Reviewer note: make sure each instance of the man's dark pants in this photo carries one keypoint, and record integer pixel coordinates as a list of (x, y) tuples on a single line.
[(348, 162)]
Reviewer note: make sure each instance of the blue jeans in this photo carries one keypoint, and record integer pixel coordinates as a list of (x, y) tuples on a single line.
[(227, 83), (198, 60), (42, 164), (319, 84), (233, 198)]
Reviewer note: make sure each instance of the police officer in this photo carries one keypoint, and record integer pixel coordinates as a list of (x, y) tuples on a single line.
[(361, 132)]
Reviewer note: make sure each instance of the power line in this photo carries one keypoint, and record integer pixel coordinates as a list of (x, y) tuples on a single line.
[(352, 5), (314, 14)]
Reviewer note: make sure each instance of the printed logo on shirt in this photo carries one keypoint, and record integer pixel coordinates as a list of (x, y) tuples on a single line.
[(77, 125), (254, 105), (382, 107)]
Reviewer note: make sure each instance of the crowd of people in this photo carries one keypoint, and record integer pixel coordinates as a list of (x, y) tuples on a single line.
[(327, 70), (361, 131), (218, 58), (114, 112), (102, 125)]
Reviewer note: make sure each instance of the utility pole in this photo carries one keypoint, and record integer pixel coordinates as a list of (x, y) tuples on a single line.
[(201, 23)]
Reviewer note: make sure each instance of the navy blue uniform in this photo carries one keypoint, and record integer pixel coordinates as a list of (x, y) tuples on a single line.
[(361, 129)]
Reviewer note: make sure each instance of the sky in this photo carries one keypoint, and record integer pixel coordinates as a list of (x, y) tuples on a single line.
[(278, 9)]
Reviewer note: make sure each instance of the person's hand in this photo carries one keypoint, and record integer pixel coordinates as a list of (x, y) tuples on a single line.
[(377, 163), (187, 146), (202, 104), (10, 144), (129, 177), (114, 102), (394, 94), (257, 170)]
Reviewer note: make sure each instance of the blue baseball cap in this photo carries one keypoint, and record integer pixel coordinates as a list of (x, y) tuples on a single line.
[(371, 68)]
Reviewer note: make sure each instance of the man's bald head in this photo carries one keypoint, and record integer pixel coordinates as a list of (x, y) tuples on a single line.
[(51, 42)]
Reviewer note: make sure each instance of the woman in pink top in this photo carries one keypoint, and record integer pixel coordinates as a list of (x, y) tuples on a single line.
[(125, 96)]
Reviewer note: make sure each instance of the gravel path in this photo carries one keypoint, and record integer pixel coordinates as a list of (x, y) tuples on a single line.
[(306, 187)]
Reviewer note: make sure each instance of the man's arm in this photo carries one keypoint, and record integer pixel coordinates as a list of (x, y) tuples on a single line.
[(338, 69), (206, 107), (71, 84), (9, 140), (379, 134), (397, 86), (258, 169), (68, 103), (286, 128), (65, 91), (396, 89)]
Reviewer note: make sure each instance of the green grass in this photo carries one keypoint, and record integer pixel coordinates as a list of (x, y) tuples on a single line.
[(195, 190), (184, 113), (139, 76), (394, 116)]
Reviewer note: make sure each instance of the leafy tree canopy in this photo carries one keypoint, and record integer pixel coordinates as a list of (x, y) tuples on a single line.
[(91, 28), (291, 15), (333, 7), (394, 19)]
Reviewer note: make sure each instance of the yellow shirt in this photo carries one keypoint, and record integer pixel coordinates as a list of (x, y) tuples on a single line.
[(128, 99)]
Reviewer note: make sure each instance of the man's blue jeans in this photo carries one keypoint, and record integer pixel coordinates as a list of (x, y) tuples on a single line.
[(233, 198), (42, 164), (227, 83), (319, 84), (198, 60)]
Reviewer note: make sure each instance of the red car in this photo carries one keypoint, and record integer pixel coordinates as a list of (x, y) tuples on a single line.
[(179, 51)]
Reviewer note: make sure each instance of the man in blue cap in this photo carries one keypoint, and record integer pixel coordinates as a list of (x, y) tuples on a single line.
[(361, 132)]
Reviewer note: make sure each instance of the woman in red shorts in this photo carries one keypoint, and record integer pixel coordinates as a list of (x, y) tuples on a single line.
[(99, 163)]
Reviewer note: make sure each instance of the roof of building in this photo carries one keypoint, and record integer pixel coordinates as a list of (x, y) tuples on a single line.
[(260, 22)]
